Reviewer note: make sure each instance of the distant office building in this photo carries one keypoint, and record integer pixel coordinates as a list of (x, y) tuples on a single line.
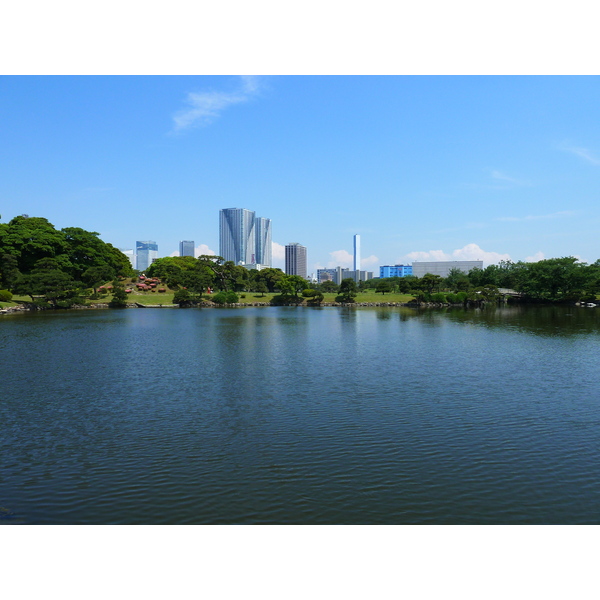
[(130, 254), (244, 238), (263, 242), (338, 274), (443, 267), (295, 260), (357, 252), (357, 275), (325, 275), (255, 266), (395, 271), (146, 253), (186, 248)]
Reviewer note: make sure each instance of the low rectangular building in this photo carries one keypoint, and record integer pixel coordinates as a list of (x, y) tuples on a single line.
[(443, 267)]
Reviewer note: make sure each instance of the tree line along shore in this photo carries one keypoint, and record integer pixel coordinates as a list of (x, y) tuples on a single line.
[(42, 267)]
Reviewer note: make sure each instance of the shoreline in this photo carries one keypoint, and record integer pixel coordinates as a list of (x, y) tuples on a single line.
[(30, 307)]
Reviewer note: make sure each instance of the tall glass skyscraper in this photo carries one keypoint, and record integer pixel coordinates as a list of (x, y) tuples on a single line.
[(263, 244), (145, 252), (243, 237)]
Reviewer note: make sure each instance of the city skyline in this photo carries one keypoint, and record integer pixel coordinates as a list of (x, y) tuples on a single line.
[(421, 168)]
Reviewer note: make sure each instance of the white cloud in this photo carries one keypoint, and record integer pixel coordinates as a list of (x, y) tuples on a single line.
[(556, 215), (431, 255), (203, 249), (581, 152), (536, 257), (341, 258), (468, 252), (205, 107), (367, 262), (278, 252)]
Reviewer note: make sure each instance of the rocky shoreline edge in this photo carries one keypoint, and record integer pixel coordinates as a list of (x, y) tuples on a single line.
[(30, 307)]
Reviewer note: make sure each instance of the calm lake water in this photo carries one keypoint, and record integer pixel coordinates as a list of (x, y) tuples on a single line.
[(295, 415)]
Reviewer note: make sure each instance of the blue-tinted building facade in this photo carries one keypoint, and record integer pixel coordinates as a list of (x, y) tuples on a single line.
[(395, 271)]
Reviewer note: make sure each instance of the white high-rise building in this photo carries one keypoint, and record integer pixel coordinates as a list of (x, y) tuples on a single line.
[(130, 254), (357, 252), (295, 260), (146, 254), (245, 238)]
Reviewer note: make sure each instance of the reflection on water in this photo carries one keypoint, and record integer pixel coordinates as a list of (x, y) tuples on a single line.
[(288, 415)]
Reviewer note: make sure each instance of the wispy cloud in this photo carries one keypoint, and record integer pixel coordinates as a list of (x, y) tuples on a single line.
[(556, 215), (581, 152), (205, 107), (500, 176)]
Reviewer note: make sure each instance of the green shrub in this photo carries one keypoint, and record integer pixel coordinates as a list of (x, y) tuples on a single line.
[(5, 296), (219, 298), (439, 297), (461, 296), (181, 296), (231, 298)]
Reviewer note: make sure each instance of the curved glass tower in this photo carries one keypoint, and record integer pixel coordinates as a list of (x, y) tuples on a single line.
[(236, 235), (244, 238)]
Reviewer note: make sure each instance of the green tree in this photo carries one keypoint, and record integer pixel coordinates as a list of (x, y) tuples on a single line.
[(261, 288), (184, 298), (31, 239), (348, 291), (48, 281), (292, 285), (119, 296), (383, 286), (329, 287), (9, 270), (430, 282), (94, 277)]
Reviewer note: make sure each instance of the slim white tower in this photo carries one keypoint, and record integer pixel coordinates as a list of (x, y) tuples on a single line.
[(357, 252)]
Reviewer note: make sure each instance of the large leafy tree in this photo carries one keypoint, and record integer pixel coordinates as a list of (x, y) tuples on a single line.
[(291, 286), (86, 250), (31, 239), (74, 251)]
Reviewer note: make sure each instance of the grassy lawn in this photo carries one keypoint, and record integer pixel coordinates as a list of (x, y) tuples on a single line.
[(154, 298)]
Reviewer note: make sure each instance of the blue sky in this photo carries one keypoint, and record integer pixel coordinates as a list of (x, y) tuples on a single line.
[(422, 167)]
